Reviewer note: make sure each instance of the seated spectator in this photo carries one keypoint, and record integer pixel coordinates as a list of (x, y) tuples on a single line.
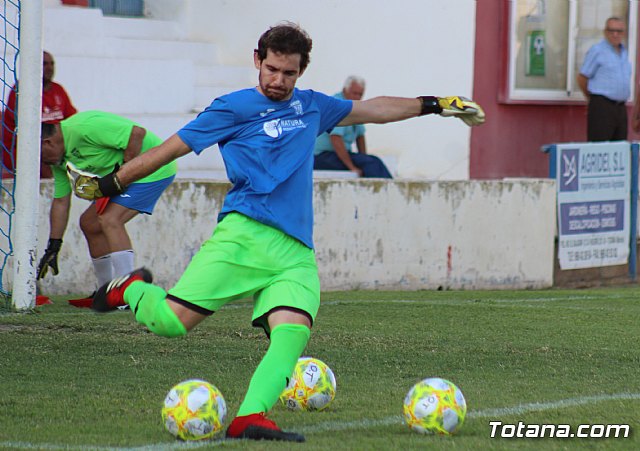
[(56, 106), (333, 150)]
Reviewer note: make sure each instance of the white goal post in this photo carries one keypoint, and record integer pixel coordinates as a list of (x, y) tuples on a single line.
[(27, 189)]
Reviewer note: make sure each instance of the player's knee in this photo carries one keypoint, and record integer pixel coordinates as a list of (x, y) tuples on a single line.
[(89, 226)]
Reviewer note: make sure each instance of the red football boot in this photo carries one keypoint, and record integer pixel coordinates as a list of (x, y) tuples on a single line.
[(257, 427), (82, 302), (111, 295)]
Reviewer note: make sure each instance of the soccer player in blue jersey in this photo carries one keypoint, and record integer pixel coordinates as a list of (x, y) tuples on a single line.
[(262, 245)]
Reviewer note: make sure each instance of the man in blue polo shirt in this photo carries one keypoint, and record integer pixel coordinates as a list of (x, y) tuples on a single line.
[(262, 246), (334, 151), (605, 80)]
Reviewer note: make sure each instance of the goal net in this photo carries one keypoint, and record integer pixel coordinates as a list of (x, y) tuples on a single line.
[(10, 45)]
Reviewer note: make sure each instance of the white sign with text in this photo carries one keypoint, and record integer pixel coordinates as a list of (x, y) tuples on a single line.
[(593, 204)]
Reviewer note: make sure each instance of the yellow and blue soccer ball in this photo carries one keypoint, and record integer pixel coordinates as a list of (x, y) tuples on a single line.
[(194, 410), (435, 406), (311, 387)]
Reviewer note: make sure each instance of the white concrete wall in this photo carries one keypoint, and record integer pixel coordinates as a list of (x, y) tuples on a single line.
[(429, 235), (155, 70), (369, 234)]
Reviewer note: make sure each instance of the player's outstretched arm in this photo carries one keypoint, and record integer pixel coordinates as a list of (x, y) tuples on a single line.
[(152, 160), (144, 164), (381, 110)]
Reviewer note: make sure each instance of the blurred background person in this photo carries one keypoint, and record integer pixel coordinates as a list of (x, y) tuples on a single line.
[(333, 150), (56, 106), (605, 80)]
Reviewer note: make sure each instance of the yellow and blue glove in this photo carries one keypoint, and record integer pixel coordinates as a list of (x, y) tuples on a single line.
[(89, 186), (465, 109)]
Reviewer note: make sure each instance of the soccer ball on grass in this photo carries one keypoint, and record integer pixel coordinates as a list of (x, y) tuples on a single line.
[(435, 405), (194, 410), (311, 387)]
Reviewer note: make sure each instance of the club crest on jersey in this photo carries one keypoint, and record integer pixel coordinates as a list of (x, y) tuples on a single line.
[(297, 107)]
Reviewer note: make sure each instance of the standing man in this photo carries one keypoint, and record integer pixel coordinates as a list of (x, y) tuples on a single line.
[(262, 245), (333, 150), (56, 106), (605, 80), (98, 142)]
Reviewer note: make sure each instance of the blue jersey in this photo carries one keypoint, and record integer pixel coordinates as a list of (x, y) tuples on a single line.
[(267, 148)]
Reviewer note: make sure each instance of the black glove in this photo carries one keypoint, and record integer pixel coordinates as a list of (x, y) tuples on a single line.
[(110, 185), (50, 258)]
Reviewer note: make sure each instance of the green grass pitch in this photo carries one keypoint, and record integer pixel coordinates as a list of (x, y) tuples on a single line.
[(75, 380)]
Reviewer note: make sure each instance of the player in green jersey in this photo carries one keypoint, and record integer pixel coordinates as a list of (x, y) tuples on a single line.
[(98, 142)]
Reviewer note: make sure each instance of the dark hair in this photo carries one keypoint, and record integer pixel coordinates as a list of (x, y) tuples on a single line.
[(286, 38), (47, 131)]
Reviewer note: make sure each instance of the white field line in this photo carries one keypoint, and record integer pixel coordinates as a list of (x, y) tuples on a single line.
[(332, 426), (485, 413)]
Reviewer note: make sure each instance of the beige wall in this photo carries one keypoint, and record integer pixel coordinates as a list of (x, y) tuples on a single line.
[(369, 234)]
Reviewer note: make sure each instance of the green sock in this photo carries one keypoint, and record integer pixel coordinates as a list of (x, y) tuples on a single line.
[(270, 378), (149, 304)]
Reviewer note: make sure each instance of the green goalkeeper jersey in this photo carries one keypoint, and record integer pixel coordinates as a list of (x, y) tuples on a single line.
[(94, 141)]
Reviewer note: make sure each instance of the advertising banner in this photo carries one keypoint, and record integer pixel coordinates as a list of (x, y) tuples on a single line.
[(593, 204)]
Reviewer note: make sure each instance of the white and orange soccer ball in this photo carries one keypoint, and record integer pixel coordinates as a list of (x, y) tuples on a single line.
[(435, 406), (311, 387), (194, 410)]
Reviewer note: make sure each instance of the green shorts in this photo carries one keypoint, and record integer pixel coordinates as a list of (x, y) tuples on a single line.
[(246, 258)]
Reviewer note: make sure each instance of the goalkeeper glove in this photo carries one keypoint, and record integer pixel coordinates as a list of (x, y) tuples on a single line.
[(91, 187), (50, 258), (467, 110)]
